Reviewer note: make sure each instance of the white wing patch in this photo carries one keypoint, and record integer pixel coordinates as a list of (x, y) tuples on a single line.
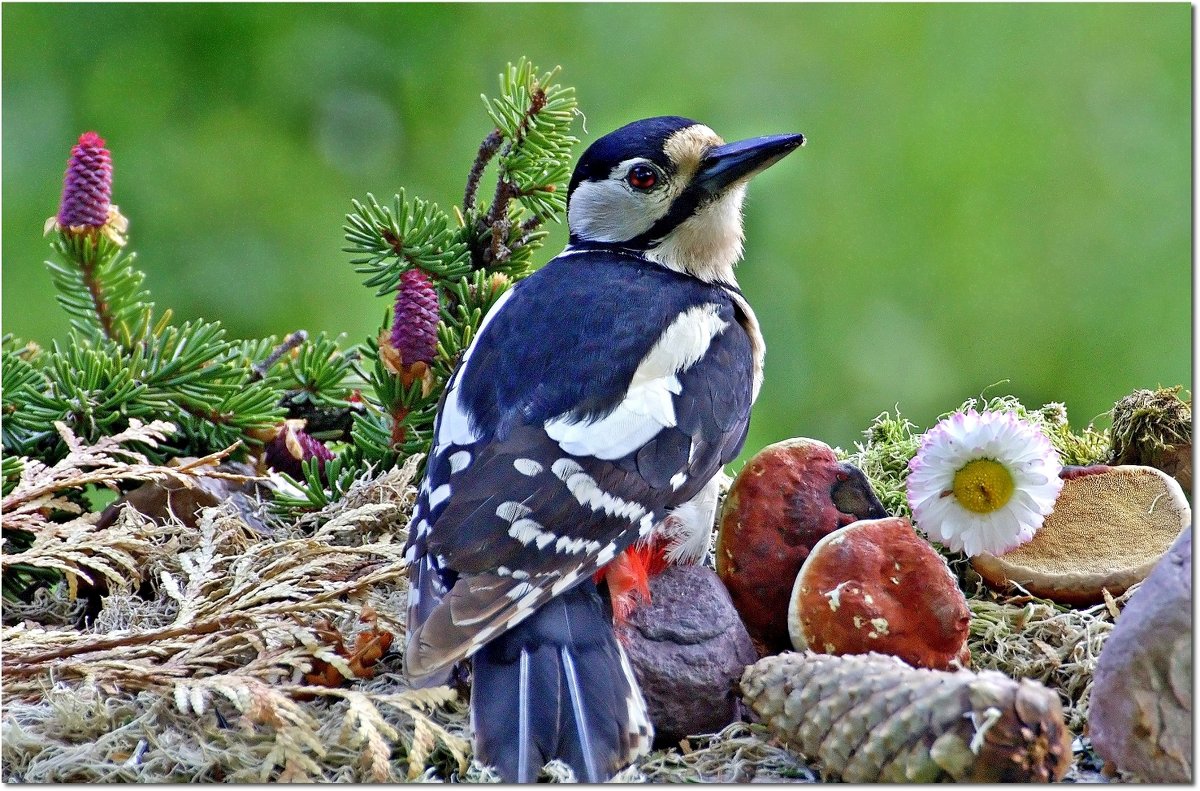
[(439, 496), (648, 406), (588, 493), (527, 467), (459, 460)]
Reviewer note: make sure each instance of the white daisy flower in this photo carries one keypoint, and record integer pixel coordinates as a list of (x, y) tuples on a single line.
[(983, 482)]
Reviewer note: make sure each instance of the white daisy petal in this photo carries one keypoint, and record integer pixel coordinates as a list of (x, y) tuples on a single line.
[(1018, 447)]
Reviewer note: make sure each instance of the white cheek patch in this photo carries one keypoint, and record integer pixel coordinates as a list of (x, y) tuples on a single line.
[(612, 211), (648, 405)]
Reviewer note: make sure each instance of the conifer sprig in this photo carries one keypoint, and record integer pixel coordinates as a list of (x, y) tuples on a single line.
[(468, 265), (125, 360), (407, 234), (99, 288), (534, 115), (533, 119)]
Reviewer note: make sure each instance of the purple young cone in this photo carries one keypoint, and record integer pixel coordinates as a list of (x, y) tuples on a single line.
[(414, 326), (87, 185), (293, 445)]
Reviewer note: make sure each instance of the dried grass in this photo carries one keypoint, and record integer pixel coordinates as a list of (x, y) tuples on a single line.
[(194, 667), (1034, 638)]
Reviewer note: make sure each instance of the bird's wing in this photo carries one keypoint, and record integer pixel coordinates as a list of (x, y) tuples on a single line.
[(555, 451)]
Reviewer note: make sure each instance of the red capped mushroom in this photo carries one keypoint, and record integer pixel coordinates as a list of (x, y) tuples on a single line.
[(787, 497), (876, 585)]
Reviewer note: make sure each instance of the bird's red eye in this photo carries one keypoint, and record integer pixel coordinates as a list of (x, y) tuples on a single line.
[(642, 177)]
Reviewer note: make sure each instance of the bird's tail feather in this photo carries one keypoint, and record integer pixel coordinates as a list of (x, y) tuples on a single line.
[(570, 686), (426, 591)]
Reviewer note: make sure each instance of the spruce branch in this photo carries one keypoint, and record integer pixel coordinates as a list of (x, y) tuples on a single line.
[(487, 150), (493, 246), (99, 288), (259, 370), (389, 240), (533, 117)]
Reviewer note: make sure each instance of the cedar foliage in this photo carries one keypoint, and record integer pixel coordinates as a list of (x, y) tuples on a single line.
[(228, 648), (125, 362)]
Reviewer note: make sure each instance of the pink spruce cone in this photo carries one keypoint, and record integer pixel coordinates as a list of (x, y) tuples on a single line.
[(291, 446), (414, 325), (87, 185)]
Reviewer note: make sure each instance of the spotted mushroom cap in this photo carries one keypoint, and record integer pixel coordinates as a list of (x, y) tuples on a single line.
[(875, 585), (788, 497)]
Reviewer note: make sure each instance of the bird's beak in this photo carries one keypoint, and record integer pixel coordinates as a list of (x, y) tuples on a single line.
[(853, 494), (734, 162)]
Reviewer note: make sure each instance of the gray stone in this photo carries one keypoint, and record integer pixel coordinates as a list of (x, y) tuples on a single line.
[(1140, 715), (688, 649)]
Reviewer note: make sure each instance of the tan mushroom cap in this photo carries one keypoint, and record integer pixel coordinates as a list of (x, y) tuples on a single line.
[(1109, 527)]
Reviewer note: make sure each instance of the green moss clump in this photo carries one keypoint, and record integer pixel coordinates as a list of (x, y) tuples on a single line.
[(892, 441), (1149, 422), (1087, 447)]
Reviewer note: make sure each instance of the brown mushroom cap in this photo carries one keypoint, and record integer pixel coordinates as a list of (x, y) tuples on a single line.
[(1109, 526), (876, 585), (778, 507)]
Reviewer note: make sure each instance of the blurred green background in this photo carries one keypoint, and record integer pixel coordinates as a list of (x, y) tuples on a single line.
[(989, 192)]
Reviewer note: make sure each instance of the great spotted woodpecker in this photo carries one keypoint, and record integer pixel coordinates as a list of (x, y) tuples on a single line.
[(601, 397)]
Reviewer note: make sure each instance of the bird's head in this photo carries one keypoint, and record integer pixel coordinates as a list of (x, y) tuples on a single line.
[(671, 189)]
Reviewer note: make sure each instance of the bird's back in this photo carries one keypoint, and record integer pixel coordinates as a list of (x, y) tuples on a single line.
[(547, 461)]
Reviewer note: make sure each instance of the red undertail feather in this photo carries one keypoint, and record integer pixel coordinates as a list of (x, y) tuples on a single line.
[(629, 576)]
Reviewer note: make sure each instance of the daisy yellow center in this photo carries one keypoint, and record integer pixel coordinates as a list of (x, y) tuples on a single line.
[(983, 486)]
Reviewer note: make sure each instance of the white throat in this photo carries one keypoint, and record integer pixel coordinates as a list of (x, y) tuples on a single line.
[(708, 244)]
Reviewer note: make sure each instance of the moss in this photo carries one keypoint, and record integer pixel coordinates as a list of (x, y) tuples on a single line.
[(890, 443), (1149, 422)]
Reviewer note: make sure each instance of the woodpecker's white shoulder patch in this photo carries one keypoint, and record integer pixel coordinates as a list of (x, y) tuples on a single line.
[(648, 405)]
